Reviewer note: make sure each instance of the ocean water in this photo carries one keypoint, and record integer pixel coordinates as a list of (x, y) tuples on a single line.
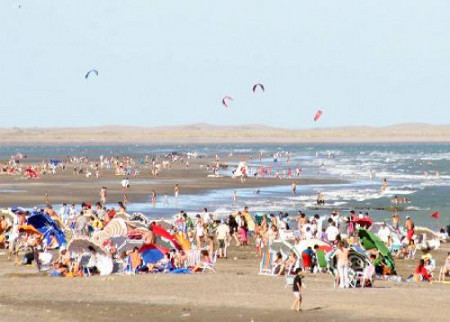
[(419, 172)]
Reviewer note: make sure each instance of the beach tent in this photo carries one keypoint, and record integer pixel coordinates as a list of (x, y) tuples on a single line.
[(46, 226), (369, 241), (152, 253)]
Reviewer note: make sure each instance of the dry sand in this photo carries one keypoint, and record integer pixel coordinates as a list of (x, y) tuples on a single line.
[(234, 293)]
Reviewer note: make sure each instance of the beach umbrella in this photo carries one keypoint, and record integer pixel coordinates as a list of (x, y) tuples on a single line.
[(164, 238), (137, 224), (46, 226), (29, 229), (115, 228), (304, 244), (123, 215), (124, 244), (81, 245), (164, 224), (137, 216), (284, 247), (152, 253)]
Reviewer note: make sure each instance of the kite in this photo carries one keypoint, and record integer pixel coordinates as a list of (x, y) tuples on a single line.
[(256, 86), (91, 71), (318, 115), (225, 100)]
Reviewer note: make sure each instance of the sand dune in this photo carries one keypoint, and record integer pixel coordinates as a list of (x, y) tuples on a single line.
[(208, 133)]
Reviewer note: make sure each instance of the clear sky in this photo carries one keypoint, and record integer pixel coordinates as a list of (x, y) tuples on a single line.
[(165, 62)]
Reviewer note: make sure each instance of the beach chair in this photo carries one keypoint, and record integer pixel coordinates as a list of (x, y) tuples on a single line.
[(290, 273), (210, 266), (366, 276), (265, 267), (193, 257), (84, 260), (335, 275), (128, 269), (442, 275)]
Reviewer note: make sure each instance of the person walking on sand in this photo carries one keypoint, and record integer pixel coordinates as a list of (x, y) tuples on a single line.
[(103, 195), (342, 265), (296, 288)]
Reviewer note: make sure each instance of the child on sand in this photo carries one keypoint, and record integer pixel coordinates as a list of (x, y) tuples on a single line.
[(296, 287)]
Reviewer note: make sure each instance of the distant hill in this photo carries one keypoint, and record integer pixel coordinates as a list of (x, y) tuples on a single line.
[(208, 133)]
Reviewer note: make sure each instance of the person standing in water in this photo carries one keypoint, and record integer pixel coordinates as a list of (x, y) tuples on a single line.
[(153, 197), (176, 192), (384, 185), (293, 188)]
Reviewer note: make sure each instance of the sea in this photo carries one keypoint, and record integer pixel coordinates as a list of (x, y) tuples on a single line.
[(418, 172)]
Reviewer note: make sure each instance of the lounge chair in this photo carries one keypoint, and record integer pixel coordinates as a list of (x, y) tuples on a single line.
[(366, 276), (193, 257), (210, 266), (442, 275), (265, 267)]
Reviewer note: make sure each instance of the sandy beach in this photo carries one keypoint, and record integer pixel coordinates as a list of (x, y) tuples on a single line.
[(234, 293)]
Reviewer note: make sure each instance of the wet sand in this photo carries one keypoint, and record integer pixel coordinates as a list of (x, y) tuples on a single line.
[(234, 293), (69, 188)]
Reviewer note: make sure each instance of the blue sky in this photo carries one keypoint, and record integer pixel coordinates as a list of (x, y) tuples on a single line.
[(171, 62)]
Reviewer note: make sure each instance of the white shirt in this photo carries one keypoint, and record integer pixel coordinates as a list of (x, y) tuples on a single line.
[(332, 232), (384, 234), (222, 231)]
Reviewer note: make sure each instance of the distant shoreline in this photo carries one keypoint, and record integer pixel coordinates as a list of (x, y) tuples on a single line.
[(211, 134)]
